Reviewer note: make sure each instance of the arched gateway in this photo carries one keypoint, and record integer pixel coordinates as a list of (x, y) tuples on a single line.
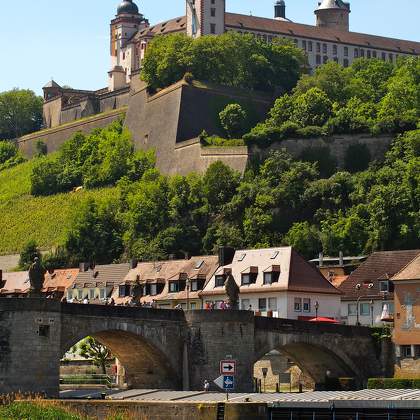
[(170, 349)]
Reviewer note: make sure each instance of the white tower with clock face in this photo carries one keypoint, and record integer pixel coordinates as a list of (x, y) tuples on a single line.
[(205, 17)]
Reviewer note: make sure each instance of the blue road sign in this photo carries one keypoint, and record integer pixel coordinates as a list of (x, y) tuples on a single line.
[(228, 382)]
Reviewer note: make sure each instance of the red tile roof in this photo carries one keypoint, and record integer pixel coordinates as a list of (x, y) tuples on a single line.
[(290, 29), (59, 280), (379, 266)]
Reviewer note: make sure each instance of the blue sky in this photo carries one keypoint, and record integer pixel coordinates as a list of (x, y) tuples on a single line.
[(68, 40)]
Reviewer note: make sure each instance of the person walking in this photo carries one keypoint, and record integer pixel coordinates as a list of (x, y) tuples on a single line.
[(206, 386)]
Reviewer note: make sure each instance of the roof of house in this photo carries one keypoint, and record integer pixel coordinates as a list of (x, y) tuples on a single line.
[(337, 281), (379, 266), (410, 272), (295, 272), (102, 275), (17, 282), (59, 280), (291, 29), (254, 23)]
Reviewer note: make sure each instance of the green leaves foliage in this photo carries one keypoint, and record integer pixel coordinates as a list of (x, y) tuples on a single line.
[(20, 113), (230, 59)]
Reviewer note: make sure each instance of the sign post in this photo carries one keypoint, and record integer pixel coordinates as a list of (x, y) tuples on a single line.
[(226, 380)]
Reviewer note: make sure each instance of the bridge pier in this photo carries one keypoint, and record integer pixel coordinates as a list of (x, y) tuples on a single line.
[(215, 336)]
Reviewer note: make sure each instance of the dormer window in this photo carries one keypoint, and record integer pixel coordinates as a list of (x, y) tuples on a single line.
[(271, 277), (241, 257), (124, 290), (173, 287), (386, 286), (219, 280), (249, 278)]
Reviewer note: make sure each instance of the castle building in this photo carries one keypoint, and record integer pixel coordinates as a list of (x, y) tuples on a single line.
[(329, 39)]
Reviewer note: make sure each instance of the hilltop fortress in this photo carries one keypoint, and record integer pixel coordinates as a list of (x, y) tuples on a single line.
[(171, 120)]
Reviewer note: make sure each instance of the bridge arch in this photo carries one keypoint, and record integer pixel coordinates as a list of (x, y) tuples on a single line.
[(150, 352)]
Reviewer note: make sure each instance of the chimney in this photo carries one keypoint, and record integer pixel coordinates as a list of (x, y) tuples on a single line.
[(321, 259), (83, 267), (133, 263), (226, 255), (341, 259)]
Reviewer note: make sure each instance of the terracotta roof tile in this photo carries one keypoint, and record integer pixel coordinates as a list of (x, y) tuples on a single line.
[(17, 282), (410, 272), (60, 279), (378, 266)]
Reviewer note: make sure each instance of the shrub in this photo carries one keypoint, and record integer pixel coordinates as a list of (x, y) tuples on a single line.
[(311, 131), (289, 129), (9, 155), (216, 141), (327, 164), (233, 119), (263, 136), (41, 148), (188, 77), (392, 383)]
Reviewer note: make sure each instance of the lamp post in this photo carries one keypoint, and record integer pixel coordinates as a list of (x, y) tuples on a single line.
[(264, 372), (316, 309), (358, 287), (187, 286), (371, 312)]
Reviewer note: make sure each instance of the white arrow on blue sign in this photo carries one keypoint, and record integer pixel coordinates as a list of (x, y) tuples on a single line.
[(226, 382)]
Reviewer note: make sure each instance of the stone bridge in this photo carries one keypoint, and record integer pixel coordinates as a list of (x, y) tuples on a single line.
[(171, 349)]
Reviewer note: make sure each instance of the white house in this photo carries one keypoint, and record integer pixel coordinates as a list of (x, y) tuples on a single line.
[(276, 282)]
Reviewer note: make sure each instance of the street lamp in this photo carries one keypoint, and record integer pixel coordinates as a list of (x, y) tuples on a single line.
[(316, 309), (358, 287), (187, 286), (264, 372), (371, 312)]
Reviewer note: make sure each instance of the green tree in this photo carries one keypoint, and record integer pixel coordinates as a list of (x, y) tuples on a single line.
[(305, 238), (95, 234), (312, 108), (233, 119), (28, 255), (20, 113), (9, 155), (91, 349)]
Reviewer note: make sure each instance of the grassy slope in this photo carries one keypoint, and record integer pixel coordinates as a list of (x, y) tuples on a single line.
[(23, 217)]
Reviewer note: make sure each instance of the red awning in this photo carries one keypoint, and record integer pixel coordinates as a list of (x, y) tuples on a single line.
[(327, 320)]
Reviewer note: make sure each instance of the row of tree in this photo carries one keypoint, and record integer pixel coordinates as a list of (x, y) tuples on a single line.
[(281, 202)]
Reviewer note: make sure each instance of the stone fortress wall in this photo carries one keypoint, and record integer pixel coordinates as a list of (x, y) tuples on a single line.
[(171, 121)]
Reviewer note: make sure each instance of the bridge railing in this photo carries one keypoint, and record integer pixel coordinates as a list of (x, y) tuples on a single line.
[(87, 379)]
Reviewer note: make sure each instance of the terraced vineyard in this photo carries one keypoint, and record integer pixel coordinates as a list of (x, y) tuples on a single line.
[(44, 219)]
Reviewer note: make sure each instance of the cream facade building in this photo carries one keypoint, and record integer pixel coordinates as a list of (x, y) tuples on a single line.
[(275, 282), (329, 39)]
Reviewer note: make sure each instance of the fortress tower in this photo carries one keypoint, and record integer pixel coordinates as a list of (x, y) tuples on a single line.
[(334, 14), (205, 17), (126, 24)]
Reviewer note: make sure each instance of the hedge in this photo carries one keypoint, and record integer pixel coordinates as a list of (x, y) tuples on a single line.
[(393, 383)]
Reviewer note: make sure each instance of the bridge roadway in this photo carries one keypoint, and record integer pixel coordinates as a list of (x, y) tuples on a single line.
[(168, 349)]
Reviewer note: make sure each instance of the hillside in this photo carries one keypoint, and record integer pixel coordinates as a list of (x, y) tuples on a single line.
[(25, 217)]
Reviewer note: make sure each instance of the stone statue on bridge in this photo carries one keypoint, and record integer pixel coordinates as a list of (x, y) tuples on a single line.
[(232, 291), (36, 278)]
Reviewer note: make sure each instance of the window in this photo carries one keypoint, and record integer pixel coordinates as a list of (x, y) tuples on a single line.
[(346, 51), (199, 265), (325, 59), (268, 278), (102, 293), (91, 293), (212, 28), (80, 294), (352, 309), (384, 286), (391, 57), (272, 304), (262, 304), (193, 306), (298, 305), (362, 52), (219, 281), (69, 295), (213, 12), (325, 48), (310, 46), (241, 257), (383, 56), (275, 255), (369, 54), (356, 53), (318, 47), (374, 54), (304, 45), (124, 290), (406, 351), (364, 309), (173, 287), (194, 285), (153, 289), (335, 50), (245, 304), (318, 59), (346, 62), (306, 305), (249, 278)]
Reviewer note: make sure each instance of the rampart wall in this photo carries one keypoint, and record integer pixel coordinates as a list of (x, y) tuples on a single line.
[(171, 121)]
